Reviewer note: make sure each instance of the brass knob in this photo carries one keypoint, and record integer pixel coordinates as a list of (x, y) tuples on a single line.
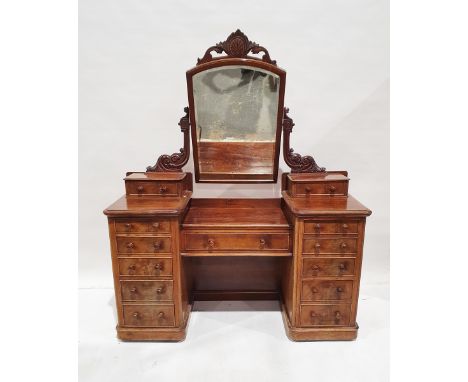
[(337, 315), (159, 290), (156, 225), (158, 266), (343, 245), (157, 245), (342, 267), (161, 314), (345, 226), (130, 245), (262, 243), (128, 225), (132, 267), (136, 315), (210, 243), (162, 189), (314, 290), (140, 188), (339, 289), (332, 189), (133, 290)]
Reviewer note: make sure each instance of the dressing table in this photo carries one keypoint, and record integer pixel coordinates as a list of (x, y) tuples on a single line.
[(170, 248)]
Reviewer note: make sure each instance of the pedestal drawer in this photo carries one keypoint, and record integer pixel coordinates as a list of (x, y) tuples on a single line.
[(325, 315), (129, 245), (324, 246), (146, 290), (143, 226), (157, 266), (320, 290), (330, 227), (148, 315), (236, 241), (313, 267)]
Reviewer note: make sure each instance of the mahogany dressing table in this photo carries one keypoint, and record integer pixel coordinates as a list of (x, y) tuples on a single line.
[(170, 249)]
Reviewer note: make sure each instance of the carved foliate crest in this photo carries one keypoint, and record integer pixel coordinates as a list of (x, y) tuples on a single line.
[(236, 45)]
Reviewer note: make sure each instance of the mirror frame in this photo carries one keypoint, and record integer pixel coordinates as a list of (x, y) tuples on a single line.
[(229, 61)]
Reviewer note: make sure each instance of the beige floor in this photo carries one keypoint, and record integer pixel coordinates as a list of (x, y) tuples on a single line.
[(233, 341)]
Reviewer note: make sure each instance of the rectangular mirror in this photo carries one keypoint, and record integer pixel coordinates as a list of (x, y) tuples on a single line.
[(236, 123)]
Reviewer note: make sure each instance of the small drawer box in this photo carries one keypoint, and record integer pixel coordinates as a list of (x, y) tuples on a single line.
[(158, 183), (304, 185)]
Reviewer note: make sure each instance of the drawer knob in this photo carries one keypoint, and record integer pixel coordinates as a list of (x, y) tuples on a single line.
[(343, 245), (132, 267), (345, 226), (128, 225), (162, 189), (315, 267), (130, 245), (157, 245), (317, 227), (339, 289), (136, 314), (313, 314), (155, 225), (140, 188), (308, 190), (342, 266), (332, 189), (159, 290), (161, 314), (262, 243), (314, 290), (158, 266), (210, 243), (133, 290), (337, 315)]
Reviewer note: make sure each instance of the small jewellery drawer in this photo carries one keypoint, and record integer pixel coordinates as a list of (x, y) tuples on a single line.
[(145, 245), (236, 241), (152, 188), (318, 290), (146, 290), (330, 227), (156, 266), (325, 315), (142, 226), (148, 315), (313, 267), (331, 188), (325, 246)]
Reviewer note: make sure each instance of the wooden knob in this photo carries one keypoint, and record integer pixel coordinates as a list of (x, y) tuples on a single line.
[(133, 290), (343, 245), (332, 189), (128, 225), (339, 289), (317, 227), (262, 243), (313, 314), (342, 266), (130, 245), (161, 314), (315, 267), (157, 245), (345, 226), (132, 267), (210, 243), (136, 315), (308, 190), (140, 188), (159, 290), (162, 189), (314, 290), (155, 225), (337, 315), (158, 266)]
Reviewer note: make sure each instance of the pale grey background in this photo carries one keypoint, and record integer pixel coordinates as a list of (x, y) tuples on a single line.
[(133, 55)]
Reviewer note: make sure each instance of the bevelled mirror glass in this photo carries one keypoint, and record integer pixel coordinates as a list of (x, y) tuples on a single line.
[(235, 123)]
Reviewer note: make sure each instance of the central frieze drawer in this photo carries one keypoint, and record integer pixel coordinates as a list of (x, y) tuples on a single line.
[(236, 241), (317, 290), (325, 315), (146, 290), (323, 246), (148, 315), (145, 245)]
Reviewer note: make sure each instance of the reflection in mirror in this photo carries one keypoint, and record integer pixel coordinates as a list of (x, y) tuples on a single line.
[(236, 109)]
